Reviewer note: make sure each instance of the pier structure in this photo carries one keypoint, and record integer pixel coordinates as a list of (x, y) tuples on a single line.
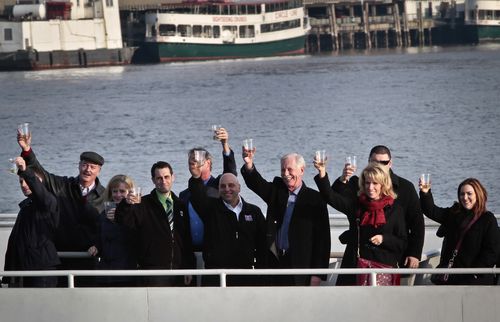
[(366, 24)]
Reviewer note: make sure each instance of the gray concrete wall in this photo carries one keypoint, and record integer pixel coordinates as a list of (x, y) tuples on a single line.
[(290, 304)]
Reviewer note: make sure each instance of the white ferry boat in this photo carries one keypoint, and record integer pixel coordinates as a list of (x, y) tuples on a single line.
[(61, 34), (217, 30), (482, 19)]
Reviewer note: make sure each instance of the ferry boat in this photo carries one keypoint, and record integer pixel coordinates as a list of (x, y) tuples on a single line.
[(62, 34), (482, 19), (218, 30)]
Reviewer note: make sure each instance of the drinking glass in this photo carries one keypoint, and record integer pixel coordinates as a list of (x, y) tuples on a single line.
[(109, 212), (24, 129), (108, 205), (199, 157), (351, 160), (425, 180), (215, 130), (248, 144), (13, 166), (320, 157)]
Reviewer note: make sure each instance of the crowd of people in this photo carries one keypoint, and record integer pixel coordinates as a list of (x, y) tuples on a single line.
[(123, 229)]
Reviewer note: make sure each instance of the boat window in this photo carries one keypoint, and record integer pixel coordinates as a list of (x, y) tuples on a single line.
[(225, 10), (247, 31), (233, 29), (184, 30), (109, 3), (277, 26), (7, 34), (207, 31), (243, 10), (497, 14), (233, 10), (216, 31), (481, 14), (196, 31), (167, 30), (251, 9)]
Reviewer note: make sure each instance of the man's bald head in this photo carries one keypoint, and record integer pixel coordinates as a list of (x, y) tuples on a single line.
[(229, 189)]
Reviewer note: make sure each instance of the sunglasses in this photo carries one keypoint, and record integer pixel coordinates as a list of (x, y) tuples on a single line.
[(384, 162)]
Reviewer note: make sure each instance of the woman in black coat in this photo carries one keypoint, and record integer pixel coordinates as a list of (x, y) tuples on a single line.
[(116, 247), (480, 244), (382, 232)]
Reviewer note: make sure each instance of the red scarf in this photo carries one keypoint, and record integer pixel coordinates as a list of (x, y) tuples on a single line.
[(373, 210)]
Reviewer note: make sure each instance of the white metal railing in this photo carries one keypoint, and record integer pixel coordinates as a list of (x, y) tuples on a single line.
[(223, 273)]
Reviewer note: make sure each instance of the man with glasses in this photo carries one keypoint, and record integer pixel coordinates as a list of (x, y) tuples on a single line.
[(407, 198)]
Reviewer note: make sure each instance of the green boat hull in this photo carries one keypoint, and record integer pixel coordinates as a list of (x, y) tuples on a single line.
[(483, 33), (488, 32), (168, 52)]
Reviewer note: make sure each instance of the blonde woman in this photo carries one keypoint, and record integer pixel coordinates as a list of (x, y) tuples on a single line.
[(116, 246), (380, 223)]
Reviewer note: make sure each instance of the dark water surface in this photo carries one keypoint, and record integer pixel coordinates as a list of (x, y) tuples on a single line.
[(436, 108)]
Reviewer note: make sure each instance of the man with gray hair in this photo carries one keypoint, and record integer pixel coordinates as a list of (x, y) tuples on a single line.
[(298, 230)]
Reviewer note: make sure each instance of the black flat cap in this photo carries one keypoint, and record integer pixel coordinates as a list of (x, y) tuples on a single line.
[(92, 157)]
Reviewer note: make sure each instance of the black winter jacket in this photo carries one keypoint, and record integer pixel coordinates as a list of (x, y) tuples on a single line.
[(31, 241)]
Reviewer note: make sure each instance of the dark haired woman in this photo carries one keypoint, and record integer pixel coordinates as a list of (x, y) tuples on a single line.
[(467, 226)]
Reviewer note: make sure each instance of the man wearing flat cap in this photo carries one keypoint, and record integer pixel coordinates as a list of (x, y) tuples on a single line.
[(78, 200)]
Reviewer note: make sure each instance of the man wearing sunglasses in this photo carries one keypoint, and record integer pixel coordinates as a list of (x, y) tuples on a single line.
[(407, 199)]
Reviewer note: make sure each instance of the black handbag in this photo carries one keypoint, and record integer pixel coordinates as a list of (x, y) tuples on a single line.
[(442, 279)]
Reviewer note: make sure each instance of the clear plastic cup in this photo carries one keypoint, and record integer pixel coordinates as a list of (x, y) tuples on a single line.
[(320, 156), (248, 144)]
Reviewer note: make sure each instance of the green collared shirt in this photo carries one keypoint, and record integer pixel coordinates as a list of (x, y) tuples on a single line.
[(163, 199)]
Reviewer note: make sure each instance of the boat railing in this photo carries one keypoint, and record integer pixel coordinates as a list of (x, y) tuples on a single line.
[(224, 273)]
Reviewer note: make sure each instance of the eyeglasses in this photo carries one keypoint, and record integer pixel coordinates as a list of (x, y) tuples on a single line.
[(384, 162)]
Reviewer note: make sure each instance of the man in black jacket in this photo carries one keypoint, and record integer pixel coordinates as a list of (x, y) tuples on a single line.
[(235, 231), (31, 241), (161, 222), (298, 229), (211, 182)]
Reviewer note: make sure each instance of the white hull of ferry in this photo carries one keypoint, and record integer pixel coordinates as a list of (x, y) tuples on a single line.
[(175, 36), (84, 33)]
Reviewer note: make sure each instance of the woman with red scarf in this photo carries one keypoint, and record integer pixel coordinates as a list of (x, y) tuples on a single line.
[(382, 233)]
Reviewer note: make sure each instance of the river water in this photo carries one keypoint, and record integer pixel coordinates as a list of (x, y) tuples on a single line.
[(436, 108)]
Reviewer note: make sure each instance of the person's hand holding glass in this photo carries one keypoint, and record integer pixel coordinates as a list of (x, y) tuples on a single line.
[(24, 136), (424, 182), (320, 161), (350, 167), (248, 152)]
